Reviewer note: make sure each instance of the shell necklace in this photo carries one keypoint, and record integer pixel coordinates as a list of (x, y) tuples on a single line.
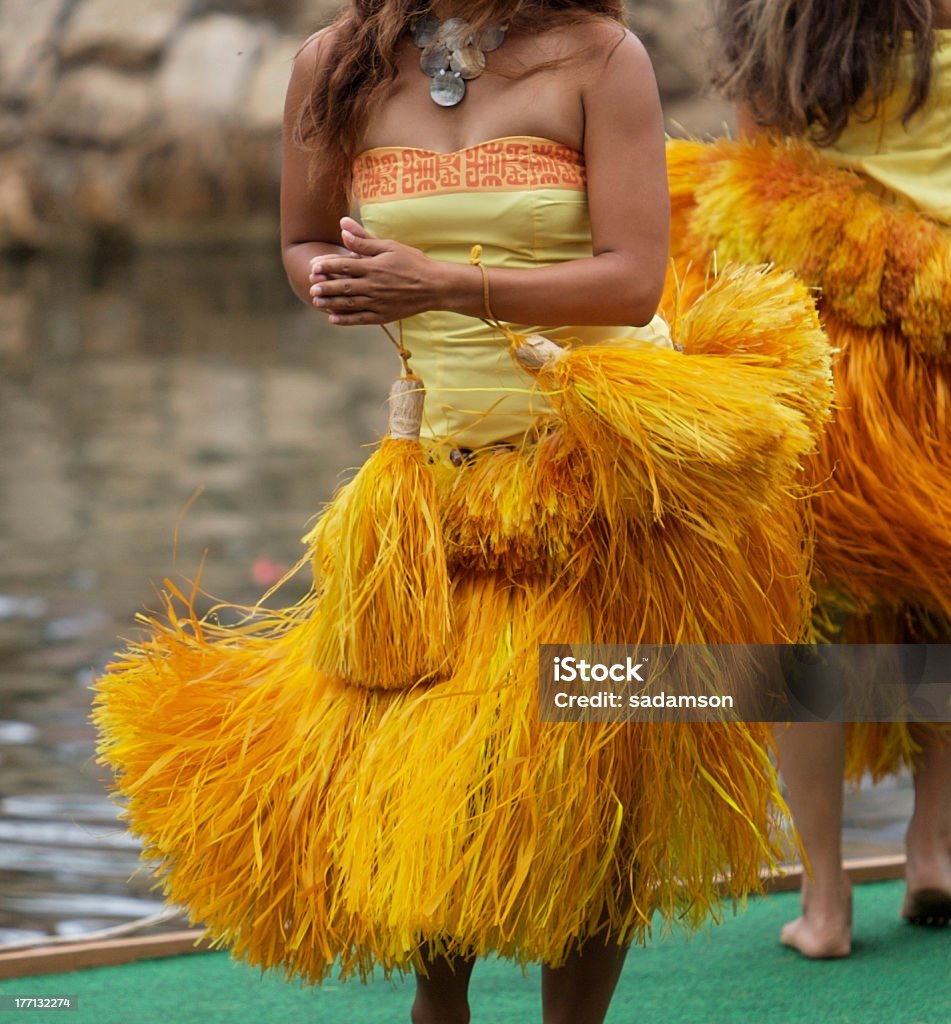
[(453, 54)]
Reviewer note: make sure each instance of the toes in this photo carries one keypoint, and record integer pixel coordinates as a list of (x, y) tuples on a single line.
[(928, 908)]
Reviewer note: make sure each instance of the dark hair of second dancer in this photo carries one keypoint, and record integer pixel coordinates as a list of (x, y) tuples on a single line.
[(804, 67)]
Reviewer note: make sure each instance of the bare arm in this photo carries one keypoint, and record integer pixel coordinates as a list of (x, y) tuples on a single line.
[(311, 204), (619, 284)]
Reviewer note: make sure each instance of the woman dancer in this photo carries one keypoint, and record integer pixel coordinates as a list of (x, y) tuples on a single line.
[(846, 179), (363, 779)]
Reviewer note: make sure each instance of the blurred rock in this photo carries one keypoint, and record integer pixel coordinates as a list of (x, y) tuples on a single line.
[(28, 34), (121, 34), (267, 88), (97, 107), (12, 129), (284, 12), (674, 33), (20, 224), (206, 71)]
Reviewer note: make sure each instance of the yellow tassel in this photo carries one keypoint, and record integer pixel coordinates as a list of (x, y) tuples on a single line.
[(381, 617), (699, 437), (693, 458), (763, 319)]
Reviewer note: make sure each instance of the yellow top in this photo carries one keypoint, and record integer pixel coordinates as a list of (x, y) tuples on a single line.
[(523, 200), (912, 161)]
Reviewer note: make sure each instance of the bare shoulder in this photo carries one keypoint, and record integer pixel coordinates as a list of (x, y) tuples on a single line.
[(616, 72), (601, 40), (320, 47), (617, 51), (590, 54), (316, 52), (619, 97)]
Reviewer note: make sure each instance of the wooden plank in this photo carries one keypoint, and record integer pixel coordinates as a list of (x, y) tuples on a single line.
[(76, 956), (859, 869)]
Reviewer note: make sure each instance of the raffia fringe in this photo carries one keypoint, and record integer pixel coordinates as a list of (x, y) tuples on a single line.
[(883, 472), (308, 822), (880, 749), (878, 265)]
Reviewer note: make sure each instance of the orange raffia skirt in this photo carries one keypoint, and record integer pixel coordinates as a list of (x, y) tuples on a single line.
[(883, 472), (322, 820)]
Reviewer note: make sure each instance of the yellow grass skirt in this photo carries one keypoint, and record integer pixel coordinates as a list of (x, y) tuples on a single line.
[(883, 472), (308, 821)]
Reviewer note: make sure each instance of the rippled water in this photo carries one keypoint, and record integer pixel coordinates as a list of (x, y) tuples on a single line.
[(174, 394)]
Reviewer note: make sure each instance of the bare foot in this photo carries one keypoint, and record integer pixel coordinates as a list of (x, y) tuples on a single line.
[(824, 931), (927, 879), (928, 907)]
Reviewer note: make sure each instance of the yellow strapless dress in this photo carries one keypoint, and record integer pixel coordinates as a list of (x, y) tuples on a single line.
[(867, 222), (648, 495), (528, 209)]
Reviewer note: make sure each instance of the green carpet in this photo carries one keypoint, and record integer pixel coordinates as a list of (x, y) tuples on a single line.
[(736, 973)]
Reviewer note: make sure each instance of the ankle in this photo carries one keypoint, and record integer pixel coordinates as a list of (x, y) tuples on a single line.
[(826, 893), (426, 1012), (930, 834)]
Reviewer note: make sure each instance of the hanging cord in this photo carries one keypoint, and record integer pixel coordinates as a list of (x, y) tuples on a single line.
[(490, 320), (407, 395), (532, 352), (475, 260), (401, 350)]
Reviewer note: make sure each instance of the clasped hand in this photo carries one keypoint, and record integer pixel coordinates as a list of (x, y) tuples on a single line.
[(379, 282)]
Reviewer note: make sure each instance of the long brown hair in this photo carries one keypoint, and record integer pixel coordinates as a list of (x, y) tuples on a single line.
[(362, 62), (802, 67)]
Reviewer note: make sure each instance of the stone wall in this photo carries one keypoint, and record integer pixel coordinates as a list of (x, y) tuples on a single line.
[(676, 33), (131, 121)]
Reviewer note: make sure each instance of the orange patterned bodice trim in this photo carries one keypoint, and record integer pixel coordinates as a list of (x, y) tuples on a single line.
[(500, 165)]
